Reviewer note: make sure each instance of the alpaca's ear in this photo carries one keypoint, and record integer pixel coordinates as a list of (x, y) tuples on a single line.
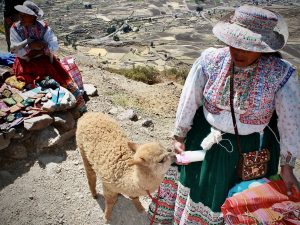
[(138, 161), (133, 146)]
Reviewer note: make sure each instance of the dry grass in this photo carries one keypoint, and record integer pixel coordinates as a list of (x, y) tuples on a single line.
[(150, 75)]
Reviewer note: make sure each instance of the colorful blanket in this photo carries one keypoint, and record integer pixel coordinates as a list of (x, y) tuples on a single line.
[(264, 204)]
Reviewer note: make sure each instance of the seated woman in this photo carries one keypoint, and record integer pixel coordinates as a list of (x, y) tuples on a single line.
[(33, 42)]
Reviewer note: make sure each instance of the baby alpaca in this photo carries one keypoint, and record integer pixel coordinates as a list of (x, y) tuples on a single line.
[(124, 167)]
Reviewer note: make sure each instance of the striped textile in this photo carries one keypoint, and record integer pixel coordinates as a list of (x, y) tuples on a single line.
[(264, 204), (70, 65)]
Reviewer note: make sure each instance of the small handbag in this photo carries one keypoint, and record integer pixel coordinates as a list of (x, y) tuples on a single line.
[(251, 165)]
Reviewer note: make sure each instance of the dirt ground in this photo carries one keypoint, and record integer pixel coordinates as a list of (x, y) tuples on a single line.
[(51, 188)]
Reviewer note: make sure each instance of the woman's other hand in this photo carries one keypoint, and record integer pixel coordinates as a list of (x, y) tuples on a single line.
[(289, 179)]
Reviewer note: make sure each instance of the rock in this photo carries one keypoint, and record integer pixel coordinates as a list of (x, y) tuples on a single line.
[(147, 123), (66, 136), (135, 29), (47, 138), (115, 110), (4, 142), (38, 123), (64, 121), (11, 132), (128, 115), (19, 134), (90, 89), (16, 151), (5, 175)]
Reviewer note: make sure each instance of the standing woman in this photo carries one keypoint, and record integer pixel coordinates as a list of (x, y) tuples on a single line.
[(262, 83), (34, 43)]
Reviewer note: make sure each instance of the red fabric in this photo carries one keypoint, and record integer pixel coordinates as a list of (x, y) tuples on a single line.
[(266, 204), (38, 68)]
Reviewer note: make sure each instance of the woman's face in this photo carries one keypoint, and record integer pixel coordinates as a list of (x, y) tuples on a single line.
[(243, 58), (27, 20)]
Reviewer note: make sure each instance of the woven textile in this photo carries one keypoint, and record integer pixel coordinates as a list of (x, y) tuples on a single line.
[(70, 65), (264, 204)]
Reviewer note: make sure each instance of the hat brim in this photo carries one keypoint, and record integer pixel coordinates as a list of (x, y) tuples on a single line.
[(25, 10), (242, 38)]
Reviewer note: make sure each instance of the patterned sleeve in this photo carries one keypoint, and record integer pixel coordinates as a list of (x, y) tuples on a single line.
[(191, 97), (287, 102), (18, 46), (51, 40)]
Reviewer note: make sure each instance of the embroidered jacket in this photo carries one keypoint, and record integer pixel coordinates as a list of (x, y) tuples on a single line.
[(21, 36), (271, 83)]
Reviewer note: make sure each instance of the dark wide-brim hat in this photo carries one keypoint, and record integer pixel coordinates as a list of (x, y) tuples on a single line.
[(30, 8), (253, 29)]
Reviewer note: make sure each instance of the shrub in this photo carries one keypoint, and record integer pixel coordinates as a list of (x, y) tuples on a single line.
[(148, 75), (177, 74)]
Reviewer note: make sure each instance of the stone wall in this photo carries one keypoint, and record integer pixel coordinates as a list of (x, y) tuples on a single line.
[(37, 133)]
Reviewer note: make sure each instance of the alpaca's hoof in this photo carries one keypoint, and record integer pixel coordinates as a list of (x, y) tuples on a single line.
[(106, 218), (140, 209)]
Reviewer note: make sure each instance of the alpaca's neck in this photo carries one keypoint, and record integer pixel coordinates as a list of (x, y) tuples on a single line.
[(145, 179)]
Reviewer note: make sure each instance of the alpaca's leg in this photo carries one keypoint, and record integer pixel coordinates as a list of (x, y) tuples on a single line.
[(137, 204), (91, 175), (110, 200)]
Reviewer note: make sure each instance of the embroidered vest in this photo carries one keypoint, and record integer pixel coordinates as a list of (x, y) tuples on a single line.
[(254, 87)]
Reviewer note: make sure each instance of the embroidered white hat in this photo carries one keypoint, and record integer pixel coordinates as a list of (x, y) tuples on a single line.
[(30, 8), (253, 29)]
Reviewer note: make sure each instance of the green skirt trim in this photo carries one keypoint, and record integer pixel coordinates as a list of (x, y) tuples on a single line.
[(210, 180)]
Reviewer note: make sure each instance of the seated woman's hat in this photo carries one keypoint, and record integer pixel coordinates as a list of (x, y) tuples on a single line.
[(253, 29), (30, 8)]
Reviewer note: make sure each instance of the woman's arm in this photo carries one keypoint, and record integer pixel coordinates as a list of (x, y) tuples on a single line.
[(51, 40), (287, 102), (190, 99), (19, 46)]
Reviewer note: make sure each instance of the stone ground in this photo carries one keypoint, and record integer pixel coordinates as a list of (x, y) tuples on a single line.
[(51, 188)]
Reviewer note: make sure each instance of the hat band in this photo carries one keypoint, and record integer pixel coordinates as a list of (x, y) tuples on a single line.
[(254, 28)]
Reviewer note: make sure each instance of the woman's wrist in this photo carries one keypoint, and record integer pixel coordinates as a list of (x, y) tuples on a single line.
[(288, 160), (286, 168)]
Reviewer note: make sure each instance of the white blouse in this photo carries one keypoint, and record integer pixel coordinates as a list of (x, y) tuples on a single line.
[(287, 101)]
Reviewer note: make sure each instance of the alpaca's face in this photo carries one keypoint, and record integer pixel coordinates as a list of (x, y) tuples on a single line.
[(155, 157)]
